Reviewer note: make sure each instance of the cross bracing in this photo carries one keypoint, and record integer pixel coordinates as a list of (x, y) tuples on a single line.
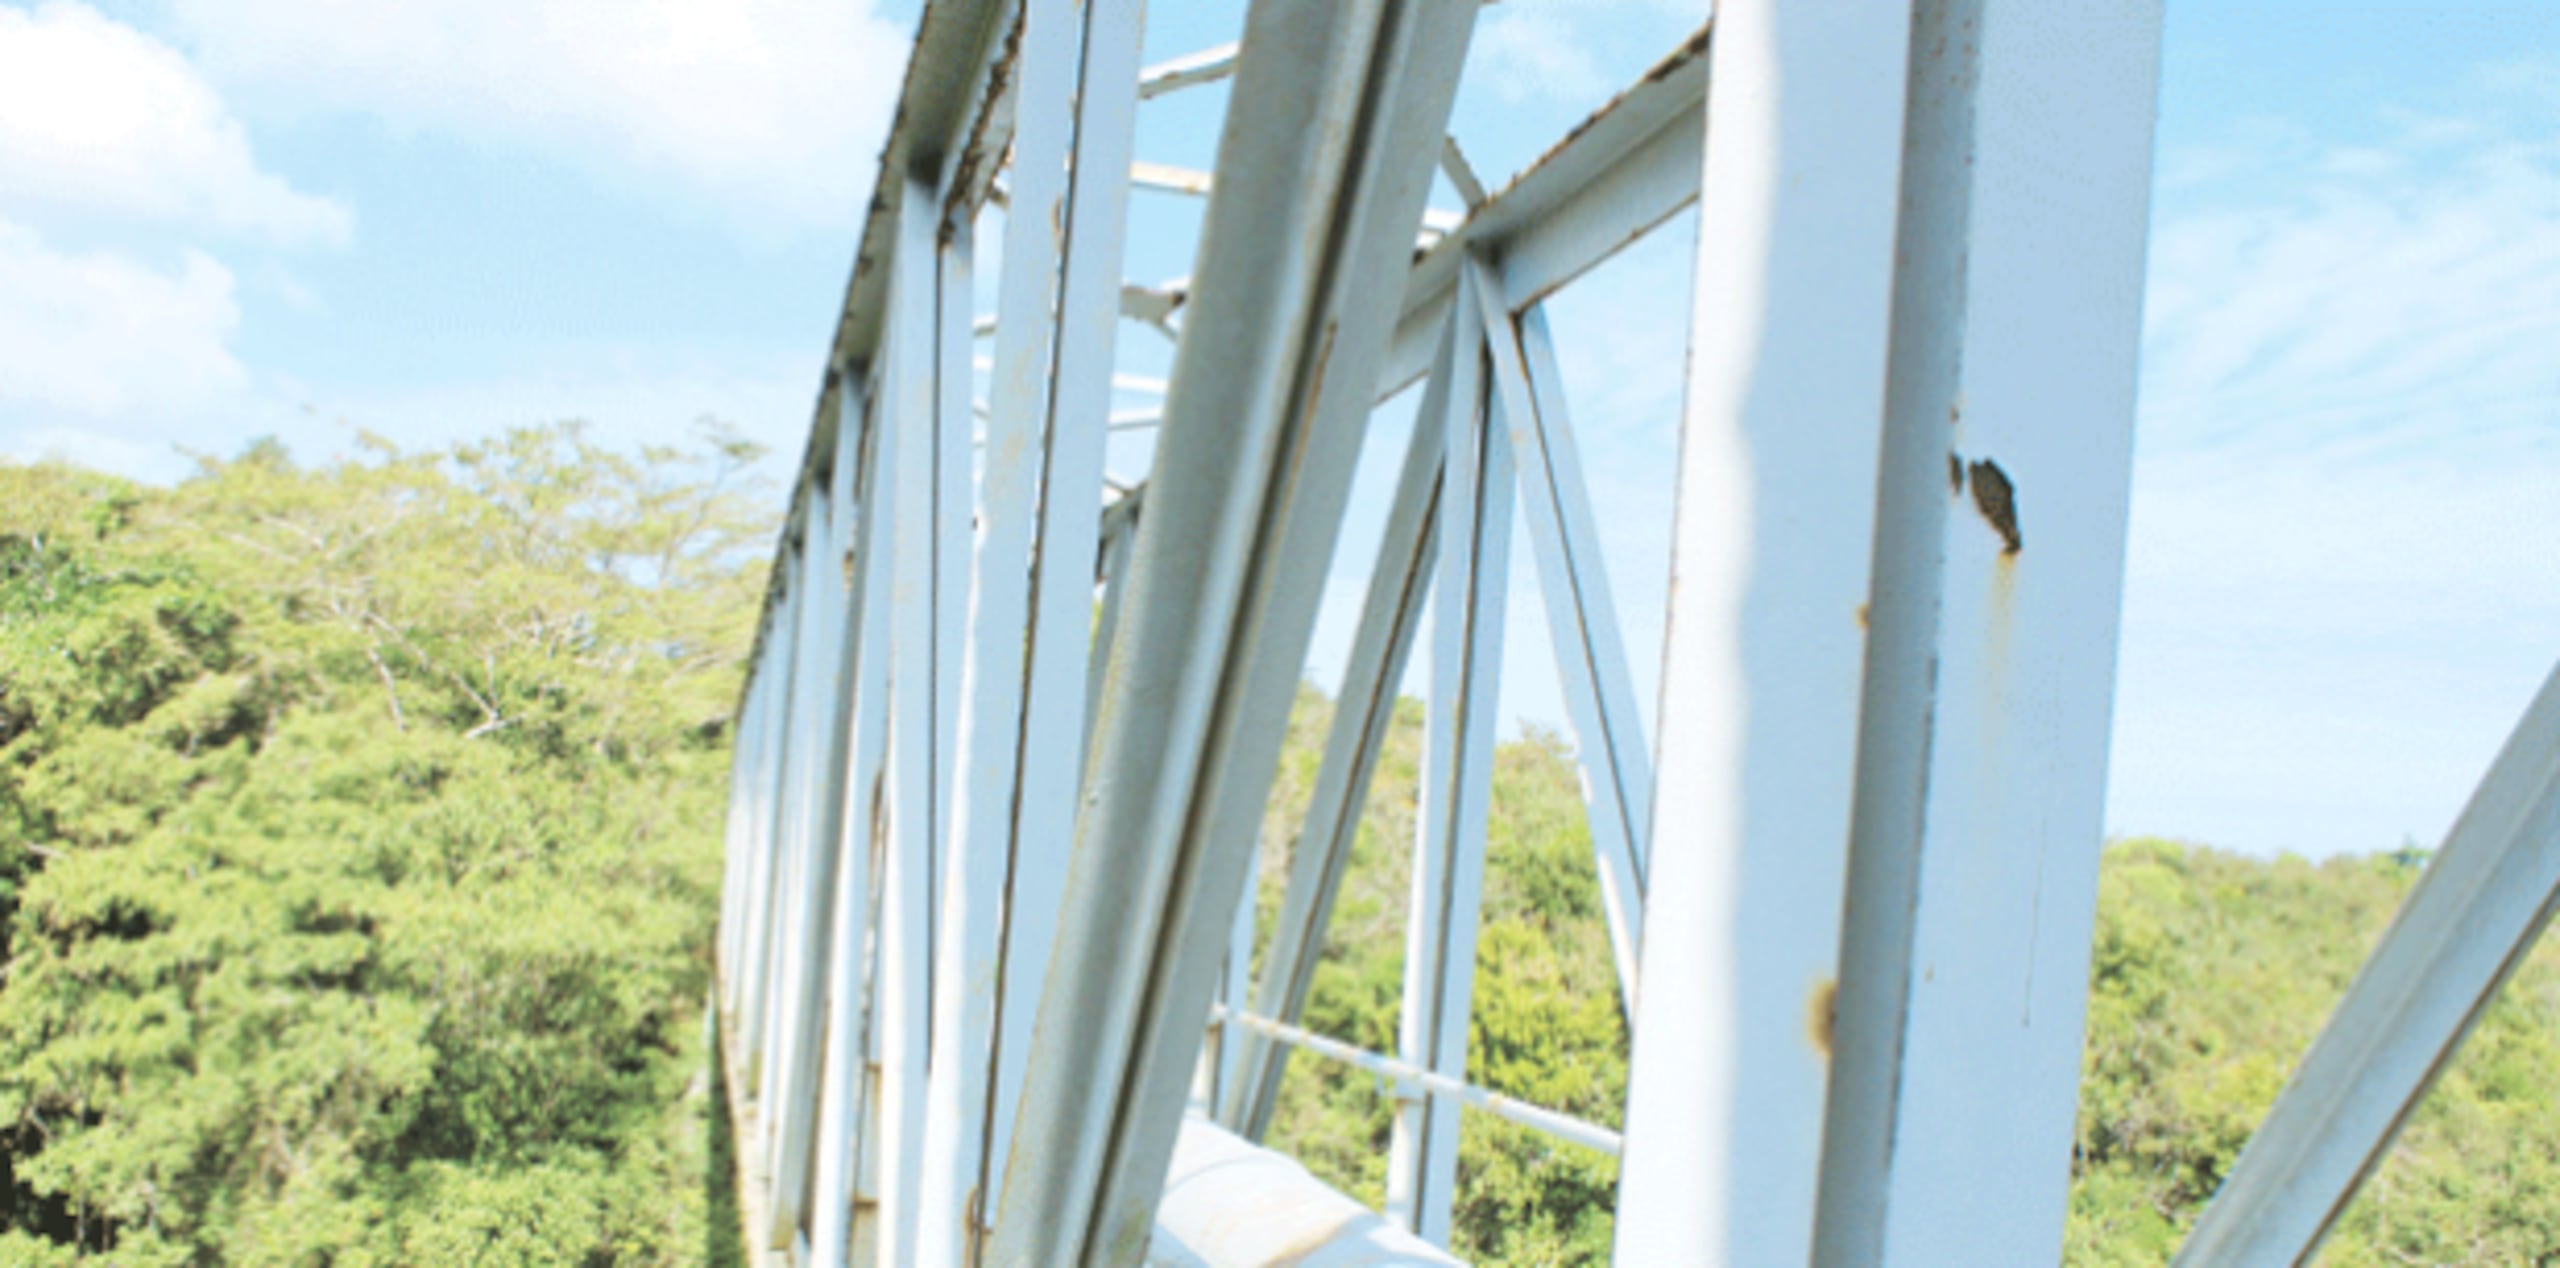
[(1057, 545)]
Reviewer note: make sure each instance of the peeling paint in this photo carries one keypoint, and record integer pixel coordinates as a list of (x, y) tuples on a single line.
[(1997, 499), (966, 188)]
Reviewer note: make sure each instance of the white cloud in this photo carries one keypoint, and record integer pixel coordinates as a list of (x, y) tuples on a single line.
[(628, 395), (1526, 51), (2342, 582), (1578, 52), (98, 333), (771, 108), (95, 450), (98, 118), (2404, 285)]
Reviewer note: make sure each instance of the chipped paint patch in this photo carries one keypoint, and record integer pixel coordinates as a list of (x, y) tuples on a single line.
[(1822, 1016), (1997, 499)]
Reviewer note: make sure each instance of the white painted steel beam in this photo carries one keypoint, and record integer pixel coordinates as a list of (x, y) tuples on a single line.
[(748, 1003), (954, 123), (1763, 655), (967, 953), (1119, 536), (1886, 696), (1235, 986), (1476, 495), (1984, 851), (1582, 618), (747, 801), (1461, 173), (811, 645), (1615, 177), (1207, 66), (1339, 109), (755, 988), (741, 968), (2472, 918), (1885, 689), (839, 585), (1362, 713), (1030, 618), (929, 405), (792, 1059), (1061, 634), (840, 1108), (1169, 179)]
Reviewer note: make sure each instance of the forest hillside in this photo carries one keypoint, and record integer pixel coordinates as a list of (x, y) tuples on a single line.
[(358, 865), (2210, 974), (359, 853)]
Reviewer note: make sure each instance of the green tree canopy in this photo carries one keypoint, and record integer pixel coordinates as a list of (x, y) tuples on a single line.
[(357, 853)]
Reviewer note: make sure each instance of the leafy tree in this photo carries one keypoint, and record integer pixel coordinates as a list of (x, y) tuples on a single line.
[(357, 852), (1544, 1026), (2211, 972), (358, 865)]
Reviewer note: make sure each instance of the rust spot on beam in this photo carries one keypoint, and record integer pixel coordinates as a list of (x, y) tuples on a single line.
[(1997, 499), (1822, 1016)]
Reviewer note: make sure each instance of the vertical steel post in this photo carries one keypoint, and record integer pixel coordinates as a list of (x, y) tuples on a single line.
[(1886, 687), (968, 957), (1059, 648), (737, 842), (1448, 858), (1763, 656), (1974, 877), (968, 954), (841, 1107), (795, 920), (829, 795), (1337, 113), (755, 986), (773, 687), (930, 408)]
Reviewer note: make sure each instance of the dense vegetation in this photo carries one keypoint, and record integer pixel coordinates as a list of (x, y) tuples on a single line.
[(357, 869), (2211, 973), (1545, 1025), (358, 853)]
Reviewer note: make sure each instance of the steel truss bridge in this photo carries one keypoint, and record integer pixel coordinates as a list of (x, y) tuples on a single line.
[(1014, 718)]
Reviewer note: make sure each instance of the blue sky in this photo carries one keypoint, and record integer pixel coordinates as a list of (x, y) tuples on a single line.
[(221, 219)]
